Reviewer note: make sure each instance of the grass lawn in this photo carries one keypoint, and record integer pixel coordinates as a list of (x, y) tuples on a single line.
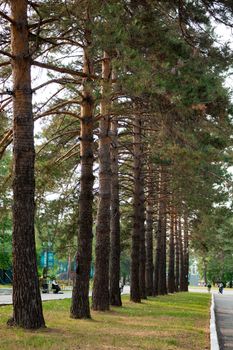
[(174, 322)]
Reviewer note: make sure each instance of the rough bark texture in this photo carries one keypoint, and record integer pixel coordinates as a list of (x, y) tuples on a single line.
[(181, 249), (142, 267), (177, 255), (157, 259), (80, 298), (135, 294), (186, 254), (27, 306), (149, 235), (115, 249), (162, 279), (171, 270), (100, 297)]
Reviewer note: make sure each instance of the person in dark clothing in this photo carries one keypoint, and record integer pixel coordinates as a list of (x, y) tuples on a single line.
[(220, 289), (55, 287)]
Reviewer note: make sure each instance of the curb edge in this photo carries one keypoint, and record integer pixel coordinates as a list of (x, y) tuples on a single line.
[(214, 344)]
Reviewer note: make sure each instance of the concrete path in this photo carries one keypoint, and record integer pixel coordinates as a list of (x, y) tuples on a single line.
[(6, 297), (224, 319)]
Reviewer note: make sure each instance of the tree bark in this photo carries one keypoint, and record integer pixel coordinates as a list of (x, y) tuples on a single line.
[(157, 259), (135, 293), (186, 253), (180, 238), (142, 267), (115, 248), (100, 298), (162, 279), (80, 307), (177, 255), (157, 250), (171, 270), (149, 234), (27, 306)]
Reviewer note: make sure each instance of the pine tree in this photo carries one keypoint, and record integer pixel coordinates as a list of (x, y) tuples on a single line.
[(100, 297), (27, 306), (115, 237)]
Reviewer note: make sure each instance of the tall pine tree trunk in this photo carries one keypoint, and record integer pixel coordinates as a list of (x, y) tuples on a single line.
[(80, 307), (27, 306), (135, 293), (115, 249), (171, 270), (158, 257), (142, 267), (100, 299), (162, 279), (181, 249), (186, 253), (177, 255), (149, 234)]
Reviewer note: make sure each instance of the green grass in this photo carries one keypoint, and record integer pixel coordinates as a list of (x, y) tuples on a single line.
[(174, 322), (3, 286)]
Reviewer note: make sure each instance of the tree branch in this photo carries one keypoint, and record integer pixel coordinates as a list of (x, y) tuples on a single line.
[(63, 70), (61, 81), (4, 53), (72, 114), (9, 19), (5, 63), (46, 21)]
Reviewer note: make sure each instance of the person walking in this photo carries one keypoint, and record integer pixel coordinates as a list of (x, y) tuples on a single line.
[(220, 289)]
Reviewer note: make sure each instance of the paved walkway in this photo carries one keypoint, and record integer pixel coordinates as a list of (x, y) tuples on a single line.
[(6, 296), (224, 319)]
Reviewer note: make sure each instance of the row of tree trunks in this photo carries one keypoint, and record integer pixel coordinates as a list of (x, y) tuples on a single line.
[(26, 294), (174, 232), (80, 299)]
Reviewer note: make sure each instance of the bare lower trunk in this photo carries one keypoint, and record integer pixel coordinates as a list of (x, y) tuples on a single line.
[(115, 294), (149, 236), (186, 254), (100, 297), (181, 249), (80, 307), (27, 306), (142, 268), (177, 255), (135, 294), (171, 270), (157, 260), (162, 279)]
